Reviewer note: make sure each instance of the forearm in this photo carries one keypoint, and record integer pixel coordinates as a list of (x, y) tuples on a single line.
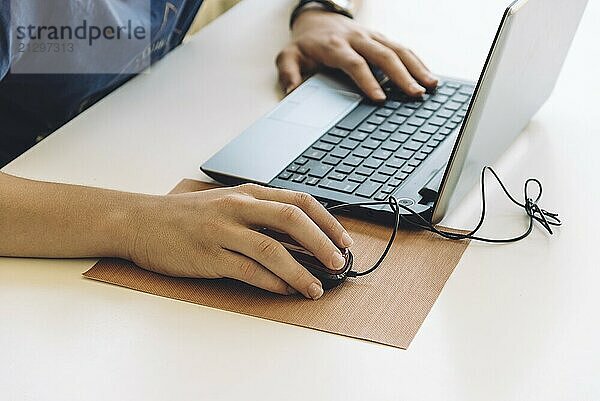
[(40, 219)]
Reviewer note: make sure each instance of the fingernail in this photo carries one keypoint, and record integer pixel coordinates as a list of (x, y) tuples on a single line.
[(417, 88), (347, 241), (379, 94), (338, 261), (291, 290), (433, 78), (315, 291), (288, 90)]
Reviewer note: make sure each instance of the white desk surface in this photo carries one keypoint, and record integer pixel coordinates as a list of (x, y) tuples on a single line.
[(515, 322)]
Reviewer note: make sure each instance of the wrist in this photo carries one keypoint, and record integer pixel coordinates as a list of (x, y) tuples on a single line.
[(126, 223)]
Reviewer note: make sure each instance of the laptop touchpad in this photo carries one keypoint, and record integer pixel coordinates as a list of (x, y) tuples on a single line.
[(314, 106)]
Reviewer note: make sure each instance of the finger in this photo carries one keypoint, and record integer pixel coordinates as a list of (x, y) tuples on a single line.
[(243, 268), (356, 67), (413, 63), (290, 70), (313, 208), (273, 256), (389, 62)]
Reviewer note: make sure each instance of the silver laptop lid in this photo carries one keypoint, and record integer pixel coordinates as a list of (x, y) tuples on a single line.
[(518, 76)]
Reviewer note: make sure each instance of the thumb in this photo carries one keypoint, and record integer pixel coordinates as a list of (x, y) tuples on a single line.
[(290, 70)]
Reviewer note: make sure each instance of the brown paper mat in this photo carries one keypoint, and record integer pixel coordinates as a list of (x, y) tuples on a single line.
[(387, 306)]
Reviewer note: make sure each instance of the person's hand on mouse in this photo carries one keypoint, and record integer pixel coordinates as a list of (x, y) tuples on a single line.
[(322, 38), (212, 234)]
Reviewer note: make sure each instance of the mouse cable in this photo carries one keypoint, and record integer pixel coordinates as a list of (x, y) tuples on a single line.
[(546, 219)]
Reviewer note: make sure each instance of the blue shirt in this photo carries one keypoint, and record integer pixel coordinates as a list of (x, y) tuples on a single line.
[(34, 105)]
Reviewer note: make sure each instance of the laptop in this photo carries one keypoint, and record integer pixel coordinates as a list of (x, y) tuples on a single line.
[(328, 140)]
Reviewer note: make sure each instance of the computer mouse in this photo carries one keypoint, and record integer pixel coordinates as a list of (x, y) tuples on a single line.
[(329, 278)]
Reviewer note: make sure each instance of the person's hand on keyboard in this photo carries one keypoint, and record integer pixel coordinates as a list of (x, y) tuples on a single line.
[(212, 234), (326, 39)]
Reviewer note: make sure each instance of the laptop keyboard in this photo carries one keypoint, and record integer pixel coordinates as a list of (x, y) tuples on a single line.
[(373, 149)]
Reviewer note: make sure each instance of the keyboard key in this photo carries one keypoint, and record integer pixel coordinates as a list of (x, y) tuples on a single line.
[(362, 170), (340, 152), (467, 90), (460, 98), (395, 162), (357, 178), (413, 105), (430, 129), (362, 152), (301, 161), (428, 149), (366, 127), (405, 112), (421, 137), (356, 116), (388, 189), (312, 181), (299, 178), (402, 176), (386, 170), (337, 176), (446, 91), (334, 161), (424, 114), (359, 136), (421, 156), (408, 169), (390, 104), (371, 144), (431, 105), (445, 131), (414, 163), (349, 144), (344, 169), (444, 113), (382, 154), (342, 133), (391, 145), (376, 120), (319, 170), (439, 98), (439, 137), (452, 125), (340, 186), (379, 135), (314, 154), (437, 121), (368, 189), (404, 154), (452, 106), (400, 137), (285, 175), (394, 182), (293, 168), (381, 196), (453, 85), (331, 139), (396, 120), (412, 145), (353, 160), (457, 120), (373, 163), (387, 127), (302, 170), (384, 112), (323, 146), (378, 177), (408, 129), (416, 121)]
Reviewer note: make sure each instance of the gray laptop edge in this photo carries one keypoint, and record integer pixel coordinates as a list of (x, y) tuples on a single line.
[(519, 74)]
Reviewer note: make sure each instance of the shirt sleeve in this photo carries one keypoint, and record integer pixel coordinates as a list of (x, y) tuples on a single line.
[(4, 41)]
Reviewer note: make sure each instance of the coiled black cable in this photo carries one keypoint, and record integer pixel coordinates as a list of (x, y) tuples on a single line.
[(546, 219)]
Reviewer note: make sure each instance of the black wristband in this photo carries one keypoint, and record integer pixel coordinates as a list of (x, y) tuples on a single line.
[(328, 6)]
